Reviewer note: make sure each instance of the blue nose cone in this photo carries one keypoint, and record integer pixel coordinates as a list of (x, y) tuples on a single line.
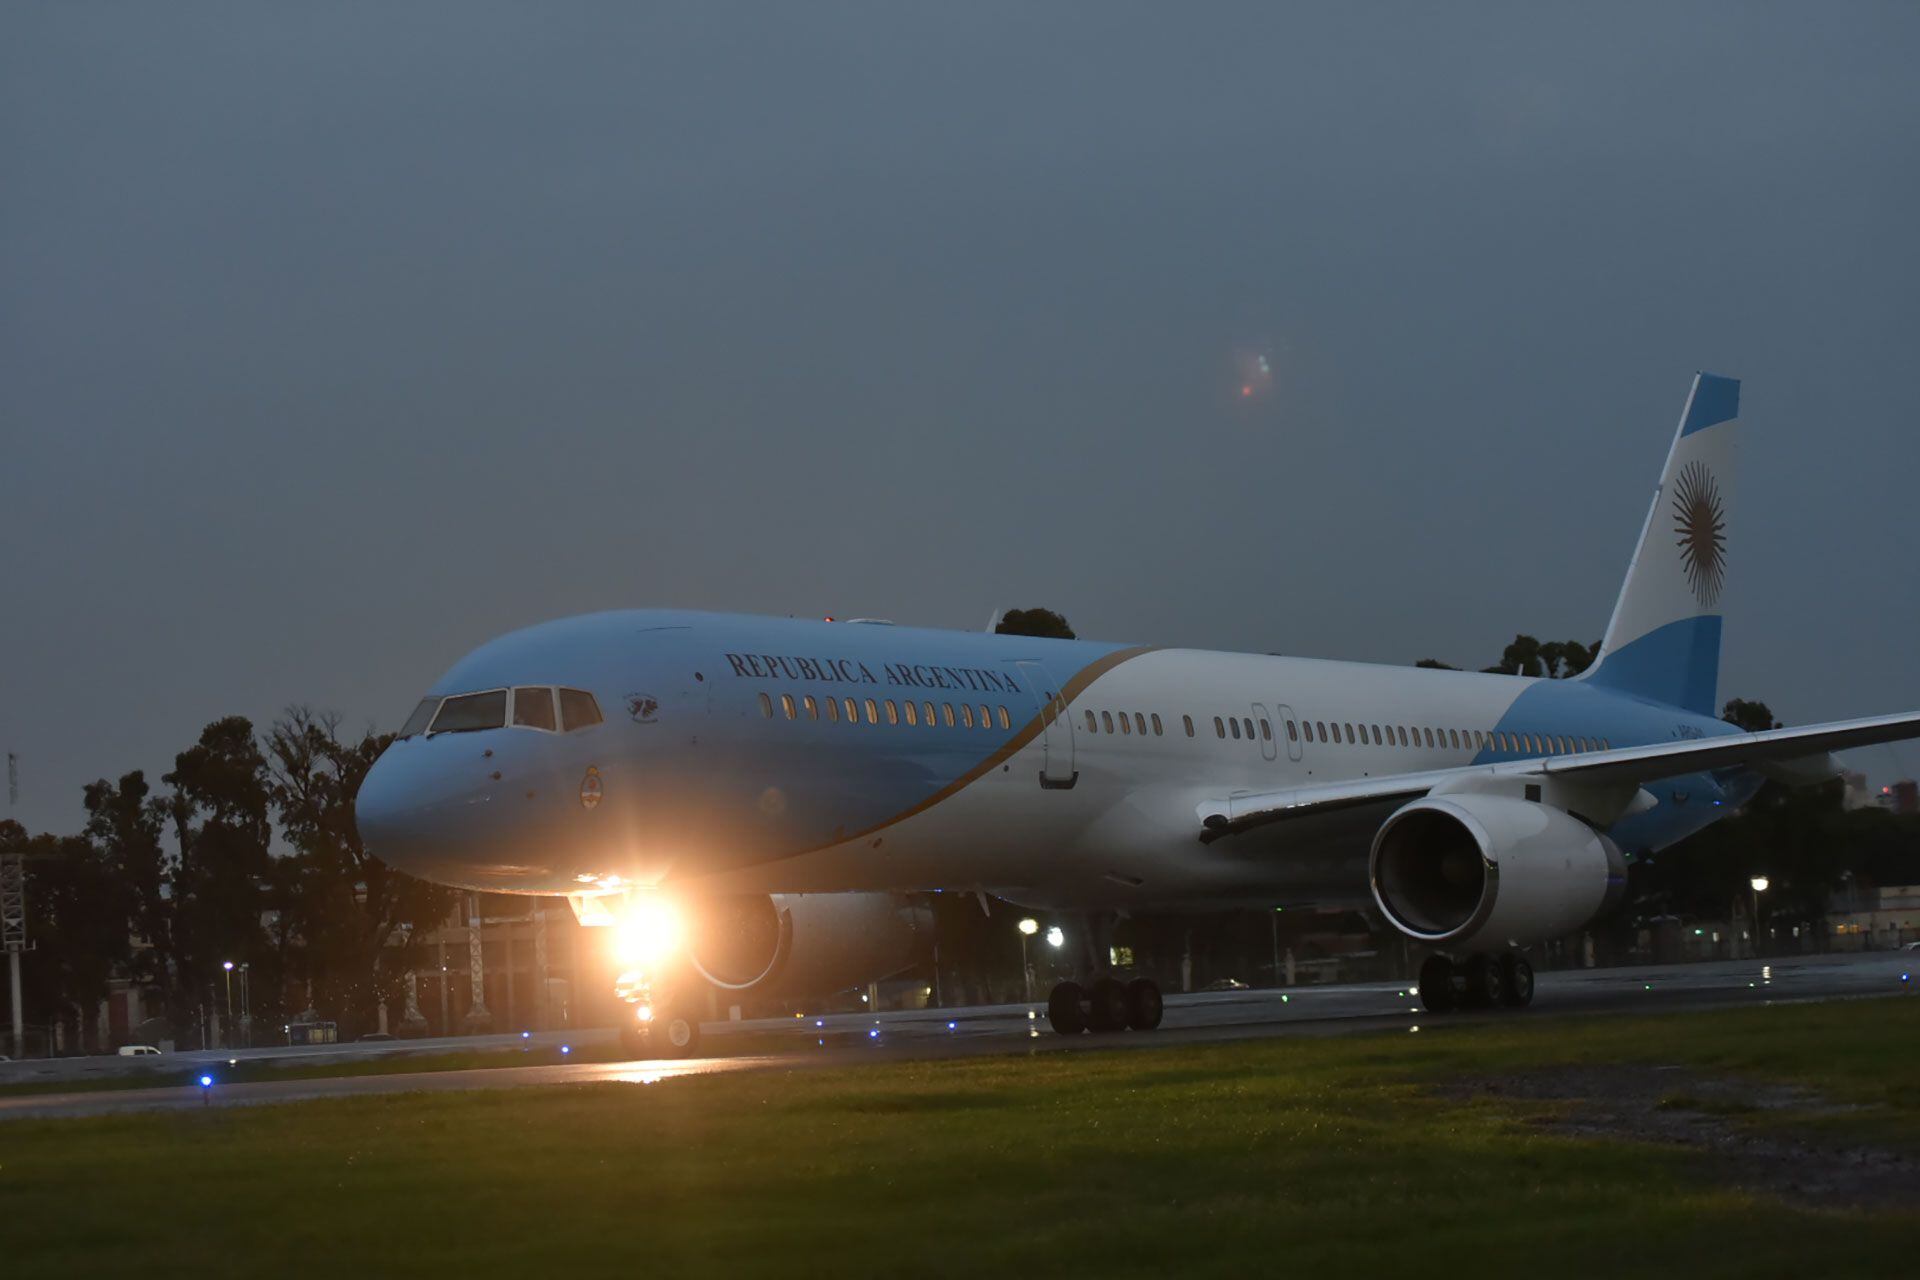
[(382, 807)]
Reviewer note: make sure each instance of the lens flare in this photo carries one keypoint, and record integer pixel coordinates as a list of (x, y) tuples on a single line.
[(647, 933)]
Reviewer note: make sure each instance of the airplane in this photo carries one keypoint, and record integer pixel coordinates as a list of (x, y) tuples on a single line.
[(761, 803)]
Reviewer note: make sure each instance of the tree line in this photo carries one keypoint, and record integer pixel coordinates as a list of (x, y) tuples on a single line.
[(246, 852)]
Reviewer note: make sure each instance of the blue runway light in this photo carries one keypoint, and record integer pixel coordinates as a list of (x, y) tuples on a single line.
[(206, 1082), (565, 1049), (874, 1034), (526, 1035), (952, 1025)]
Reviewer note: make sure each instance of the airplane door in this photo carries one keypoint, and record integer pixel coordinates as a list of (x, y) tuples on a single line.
[(1267, 730), (1280, 728), (1056, 728)]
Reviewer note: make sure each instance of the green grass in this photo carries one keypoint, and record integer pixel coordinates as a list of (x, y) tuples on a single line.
[(1288, 1156)]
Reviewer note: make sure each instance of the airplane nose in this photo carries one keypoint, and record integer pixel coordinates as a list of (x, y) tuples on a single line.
[(381, 809)]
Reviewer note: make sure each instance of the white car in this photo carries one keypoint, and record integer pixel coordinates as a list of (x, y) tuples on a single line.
[(138, 1051)]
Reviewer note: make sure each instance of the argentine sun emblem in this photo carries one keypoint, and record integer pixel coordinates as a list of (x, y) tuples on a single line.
[(590, 788), (1701, 523)]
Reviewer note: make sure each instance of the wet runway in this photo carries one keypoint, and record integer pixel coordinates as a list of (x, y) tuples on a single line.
[(848, 1039)]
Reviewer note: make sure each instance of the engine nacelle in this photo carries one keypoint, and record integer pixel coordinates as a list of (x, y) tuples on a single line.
[(805, 944), (1467, 870)]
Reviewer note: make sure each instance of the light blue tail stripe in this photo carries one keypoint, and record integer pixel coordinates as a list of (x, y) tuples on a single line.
[(1678, 664), (1715, 399)]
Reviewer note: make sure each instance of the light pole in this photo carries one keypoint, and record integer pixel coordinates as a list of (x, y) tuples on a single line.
[(1028, 927), (246, 1006), (227, 1037), (1759, 886)]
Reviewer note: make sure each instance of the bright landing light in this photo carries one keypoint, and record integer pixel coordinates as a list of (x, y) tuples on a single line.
[(646, 934)]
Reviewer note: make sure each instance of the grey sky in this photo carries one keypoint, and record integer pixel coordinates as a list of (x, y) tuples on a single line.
[(337, 339)]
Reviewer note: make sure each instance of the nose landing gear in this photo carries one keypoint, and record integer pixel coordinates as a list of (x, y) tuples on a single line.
[(660, 1023), (1481, 981)]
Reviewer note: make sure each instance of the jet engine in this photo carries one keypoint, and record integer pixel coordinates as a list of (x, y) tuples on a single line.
[(804, 944), (1470, 871)]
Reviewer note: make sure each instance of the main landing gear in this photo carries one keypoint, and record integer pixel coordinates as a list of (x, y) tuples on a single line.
[(1107, 1005), (1480, 981)]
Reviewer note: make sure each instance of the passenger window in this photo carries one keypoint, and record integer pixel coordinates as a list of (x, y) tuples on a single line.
[(786, 705), (1140, 724), (1266, 732), (926, 709), (1093, 725), (912, 715), (1349, 729), (1126, 726), (766, 706), (1453, 738), (1006, 721), (1402, 730), (946, 714), (1376, 733), (853, 710), (1320, 728), (578, 710), (833, 710), (1235, 725), (533, 708), (813, 708), (471, 712), (1219, 730), (1188, 722), (1156, 724), (1106, 721), (873, 712), (966, 716)]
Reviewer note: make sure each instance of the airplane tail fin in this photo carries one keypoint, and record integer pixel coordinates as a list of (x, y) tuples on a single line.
[(1663, 643)]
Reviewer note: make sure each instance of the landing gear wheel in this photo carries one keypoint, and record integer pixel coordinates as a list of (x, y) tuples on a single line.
[(1516, 980), (1067, 1009), (1485, 987), (1107, 1006), (1436, 984), (674, 1034), (1144, 1006)]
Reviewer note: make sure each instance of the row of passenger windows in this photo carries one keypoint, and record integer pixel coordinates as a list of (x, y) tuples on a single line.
[(915, 713), (1242, 728), (530, 707)]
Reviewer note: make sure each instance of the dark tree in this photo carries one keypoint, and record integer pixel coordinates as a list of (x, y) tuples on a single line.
[(124, 823), (1556, 659), (353, 915), (1434, 664), (1034, 622), (218, 811), (1754, 717)]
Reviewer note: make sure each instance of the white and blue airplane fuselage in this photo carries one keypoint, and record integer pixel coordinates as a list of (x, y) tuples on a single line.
[(725, 758)]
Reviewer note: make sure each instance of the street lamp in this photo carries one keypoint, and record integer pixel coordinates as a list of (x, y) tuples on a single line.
[(1028, 927), (1055, 938), (228, 1037), (1759, 886)]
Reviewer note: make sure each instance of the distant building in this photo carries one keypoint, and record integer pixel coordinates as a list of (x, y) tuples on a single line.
[(1875, 919), (1901, 797)]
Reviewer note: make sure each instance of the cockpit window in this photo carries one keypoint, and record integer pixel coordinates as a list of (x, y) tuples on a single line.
[(578, 709), (533, 708), (422, 717), (471, 712)]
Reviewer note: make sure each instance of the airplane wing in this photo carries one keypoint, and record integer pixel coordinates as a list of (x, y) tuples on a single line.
[(1236, 814)]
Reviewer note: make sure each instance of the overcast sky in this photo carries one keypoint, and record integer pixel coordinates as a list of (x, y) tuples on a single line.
[(336, 339)]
